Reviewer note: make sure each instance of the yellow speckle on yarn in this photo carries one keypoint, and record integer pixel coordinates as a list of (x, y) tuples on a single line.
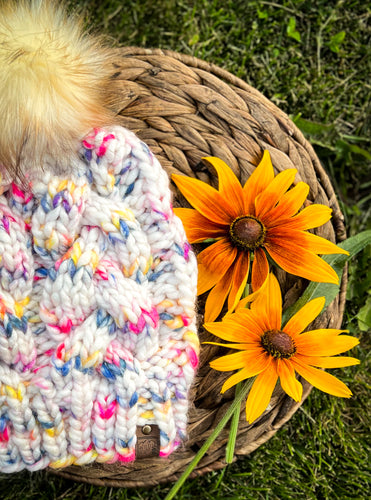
[(175, 323), (15, 394), (191, 337), (76, 252), (19, 306), (165, 304), (52, 241), (148, 265), (62, 185), (94, 259), (50, 432), (58, 464), (125, 214), (148, 414)]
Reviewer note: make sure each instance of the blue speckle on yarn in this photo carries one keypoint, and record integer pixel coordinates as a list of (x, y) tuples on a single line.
[(110, 371), (166, 316), (129, 189), (133, 400), (16, 322), (103, 318), (41, 251), (44, 203), (124, 228), (65, 368), (179, 249), (71, 268), (164, 437), (154, 276), (156, 398), (77, 362), (46, 425), (3, 421), (88, 154), (42, 272), (89, 176), (52, 273)]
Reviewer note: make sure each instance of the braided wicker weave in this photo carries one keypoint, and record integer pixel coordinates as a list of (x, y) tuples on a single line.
[(185, 109)]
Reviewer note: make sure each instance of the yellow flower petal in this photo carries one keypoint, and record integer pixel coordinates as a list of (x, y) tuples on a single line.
[(197, 227), (255, 365), (218, 257), (257, 182), (288, 205), (217, 296), (305, 240), (231, 362), (321, 343), (229, 185), (239, 279), (274, 192), (312, 216), (288, 380), (268, 304), (320, 379), (205, 199), (328, 362), (261, 393), (299, 261), (236, 331), (304, 316), (260, 269), (206, 279)]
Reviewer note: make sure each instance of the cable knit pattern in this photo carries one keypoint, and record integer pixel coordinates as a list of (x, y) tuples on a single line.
[(97, 318)]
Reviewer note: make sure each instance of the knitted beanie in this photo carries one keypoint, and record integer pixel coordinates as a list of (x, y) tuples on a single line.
[(97, 317)]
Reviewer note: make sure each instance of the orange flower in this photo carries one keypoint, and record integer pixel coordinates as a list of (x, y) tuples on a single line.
[(271, 352), (257, 218)]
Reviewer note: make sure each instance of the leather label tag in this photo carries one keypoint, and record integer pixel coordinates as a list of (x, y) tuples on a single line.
[(148, 441)]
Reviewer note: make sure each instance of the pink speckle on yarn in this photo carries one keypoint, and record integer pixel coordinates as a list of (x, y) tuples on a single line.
[(105, 413), (103, 147), (186, 320), (102, 274), (4, 436), (130, 457), (153, 314), (141, 323), (66, 327), (59, 352), (192, 356)]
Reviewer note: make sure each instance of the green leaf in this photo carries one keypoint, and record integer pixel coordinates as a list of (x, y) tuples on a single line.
[(364, 316), (344, 147), (353, 245), (291, 30), (311, 128), (336, 41), (195, 39)]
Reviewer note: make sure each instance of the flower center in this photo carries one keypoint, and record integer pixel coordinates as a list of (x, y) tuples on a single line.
[(247, 232), (278, 344)]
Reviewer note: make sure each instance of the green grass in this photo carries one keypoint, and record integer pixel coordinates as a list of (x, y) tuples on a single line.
[(312, 59)]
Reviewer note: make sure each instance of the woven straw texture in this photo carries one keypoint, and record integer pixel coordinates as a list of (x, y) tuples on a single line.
[(186, 109)]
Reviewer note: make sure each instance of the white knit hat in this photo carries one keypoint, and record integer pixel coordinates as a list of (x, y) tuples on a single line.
[(97, 318)]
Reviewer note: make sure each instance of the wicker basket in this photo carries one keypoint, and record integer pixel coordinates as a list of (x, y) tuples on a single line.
[(185, 109)]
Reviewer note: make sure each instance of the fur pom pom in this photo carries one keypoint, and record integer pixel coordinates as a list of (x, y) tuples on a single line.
[(55, 86)]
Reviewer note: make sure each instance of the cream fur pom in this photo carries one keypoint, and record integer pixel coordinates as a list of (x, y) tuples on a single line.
[(54, 86)]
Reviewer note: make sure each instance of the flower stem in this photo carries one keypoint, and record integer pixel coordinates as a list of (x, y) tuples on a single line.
[(218, 429), (229, 450)]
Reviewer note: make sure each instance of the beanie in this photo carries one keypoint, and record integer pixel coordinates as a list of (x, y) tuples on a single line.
[(98, 341)]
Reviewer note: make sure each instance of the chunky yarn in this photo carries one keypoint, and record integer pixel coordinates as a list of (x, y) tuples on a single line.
[(97, 318)]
